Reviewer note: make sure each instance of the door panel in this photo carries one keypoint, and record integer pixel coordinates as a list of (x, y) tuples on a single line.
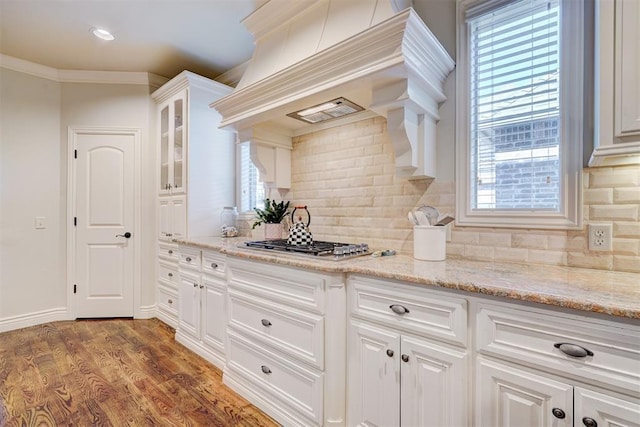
[(607, 411), (508, 396), (374, 376), (104, 273), (433, 384)]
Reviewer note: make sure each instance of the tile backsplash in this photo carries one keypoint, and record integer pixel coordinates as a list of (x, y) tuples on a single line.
[(345, 175)]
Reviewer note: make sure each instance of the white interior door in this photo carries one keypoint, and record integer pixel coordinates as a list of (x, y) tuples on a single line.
[(104, 263)]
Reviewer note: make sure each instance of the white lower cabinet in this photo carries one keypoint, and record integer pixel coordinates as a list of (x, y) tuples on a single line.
[(286, 341), (202, 309), (398, 378), (543, 368)]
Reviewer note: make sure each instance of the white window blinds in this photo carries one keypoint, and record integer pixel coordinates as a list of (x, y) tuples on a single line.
[(515, 106), (252, 192)]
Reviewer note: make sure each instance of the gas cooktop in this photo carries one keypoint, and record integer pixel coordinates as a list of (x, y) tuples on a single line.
[(327, 250)]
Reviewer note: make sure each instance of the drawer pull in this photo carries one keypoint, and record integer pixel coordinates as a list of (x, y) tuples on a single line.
[(170, 301), (170, 274), (558, 413), (573, 350), (214, 265), (399, 309), (265, 322), (188, 259), (405, 357), (589, 422), (265, 369), (170, 252), (389, 352)]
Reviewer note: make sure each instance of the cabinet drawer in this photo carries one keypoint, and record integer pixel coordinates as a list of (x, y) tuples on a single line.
[(168, 300), (280, 379), (531, 338), (296, 333), (214, 263), (290, 286), (168, 251), (190, 258), (168, 274), (409, 308)]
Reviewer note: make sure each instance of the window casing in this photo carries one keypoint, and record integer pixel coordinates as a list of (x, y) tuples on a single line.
[(519, 113)]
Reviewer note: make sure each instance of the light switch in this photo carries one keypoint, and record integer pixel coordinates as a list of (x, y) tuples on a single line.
[(40, 222)]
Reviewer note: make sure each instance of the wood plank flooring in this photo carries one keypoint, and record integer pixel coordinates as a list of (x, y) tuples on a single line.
[(115, 372)]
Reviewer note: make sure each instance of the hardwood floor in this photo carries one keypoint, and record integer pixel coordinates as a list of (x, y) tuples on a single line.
[(115, 372)]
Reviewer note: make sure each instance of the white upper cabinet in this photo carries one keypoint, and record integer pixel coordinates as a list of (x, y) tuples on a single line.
[(617, 87)]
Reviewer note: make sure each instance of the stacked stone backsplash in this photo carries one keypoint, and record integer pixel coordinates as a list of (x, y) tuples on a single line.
[(346, 177)]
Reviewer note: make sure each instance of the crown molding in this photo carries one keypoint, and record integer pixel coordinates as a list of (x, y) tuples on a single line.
[(81, 76), (188, 79)]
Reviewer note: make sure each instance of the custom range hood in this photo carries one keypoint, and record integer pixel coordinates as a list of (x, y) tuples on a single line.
[(316, 59)]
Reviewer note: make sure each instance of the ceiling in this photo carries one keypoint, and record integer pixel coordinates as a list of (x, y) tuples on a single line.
[(163, 37)]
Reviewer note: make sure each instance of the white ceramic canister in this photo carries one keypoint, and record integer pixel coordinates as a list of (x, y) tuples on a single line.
[(429, 243)]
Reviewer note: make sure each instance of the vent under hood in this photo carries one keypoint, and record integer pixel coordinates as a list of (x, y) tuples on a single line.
[(377, 54)]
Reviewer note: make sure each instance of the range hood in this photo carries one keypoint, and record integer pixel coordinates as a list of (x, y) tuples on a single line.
[(374, 54)]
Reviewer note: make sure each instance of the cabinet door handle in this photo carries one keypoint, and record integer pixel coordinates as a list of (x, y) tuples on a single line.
[(201, 286), (389, 352), (170, 301), (405, 357), (573, 350), (195, 285), (558, 413), (170, 251), (214, 265), (589, 422), (170, 274), (399, 309), (188, 259), (265, 322), (265, 369)]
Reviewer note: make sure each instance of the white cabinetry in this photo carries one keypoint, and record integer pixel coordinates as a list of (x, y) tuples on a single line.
[(617, 115), (548, 369), (196, 165), (202, 312), (407, 355), (286, 341)]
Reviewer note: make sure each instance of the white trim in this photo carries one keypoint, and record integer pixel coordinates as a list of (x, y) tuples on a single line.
[(72, 132), (33, 319), (570, 214), (81, 76), (147, 312)]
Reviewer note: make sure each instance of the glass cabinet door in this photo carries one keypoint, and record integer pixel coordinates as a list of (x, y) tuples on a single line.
[(178, 145), (164, 150)]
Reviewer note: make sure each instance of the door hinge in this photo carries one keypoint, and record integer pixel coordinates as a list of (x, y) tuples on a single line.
[(75, 221), (75, 154), (75, 288)]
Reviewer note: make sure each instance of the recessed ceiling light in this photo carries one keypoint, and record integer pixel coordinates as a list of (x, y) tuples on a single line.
[(102, 34)]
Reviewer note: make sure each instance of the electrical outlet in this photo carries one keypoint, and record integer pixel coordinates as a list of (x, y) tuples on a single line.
[(600, 237)]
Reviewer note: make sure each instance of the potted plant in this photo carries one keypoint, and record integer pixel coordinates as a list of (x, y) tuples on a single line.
[(271, 216)]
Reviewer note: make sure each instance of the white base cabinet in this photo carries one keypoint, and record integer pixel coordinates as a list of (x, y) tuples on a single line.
[(286, 342), (202, 313), (395, 376)]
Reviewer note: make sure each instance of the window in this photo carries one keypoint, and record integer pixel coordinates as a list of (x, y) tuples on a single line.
[(519, 113), (252, 193)]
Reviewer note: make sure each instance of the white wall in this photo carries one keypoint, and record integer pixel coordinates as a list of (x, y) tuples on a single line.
[(32, 262), (35, 114)]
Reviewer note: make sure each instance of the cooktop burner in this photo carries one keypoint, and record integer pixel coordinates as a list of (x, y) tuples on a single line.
[(333, 250)]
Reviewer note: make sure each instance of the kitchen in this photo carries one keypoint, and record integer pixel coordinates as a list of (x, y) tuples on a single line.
[(368, 193)]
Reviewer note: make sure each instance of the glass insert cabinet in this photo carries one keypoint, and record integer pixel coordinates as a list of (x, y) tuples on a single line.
[(173, 144)]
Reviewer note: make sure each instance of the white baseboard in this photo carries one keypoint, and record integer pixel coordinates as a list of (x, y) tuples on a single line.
[(32, 319), (197, 347), (147, 312)]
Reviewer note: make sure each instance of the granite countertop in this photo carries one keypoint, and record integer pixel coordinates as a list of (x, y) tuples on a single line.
[(608, 292)]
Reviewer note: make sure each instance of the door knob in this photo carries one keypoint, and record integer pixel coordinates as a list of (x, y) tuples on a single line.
[(125, 235)]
